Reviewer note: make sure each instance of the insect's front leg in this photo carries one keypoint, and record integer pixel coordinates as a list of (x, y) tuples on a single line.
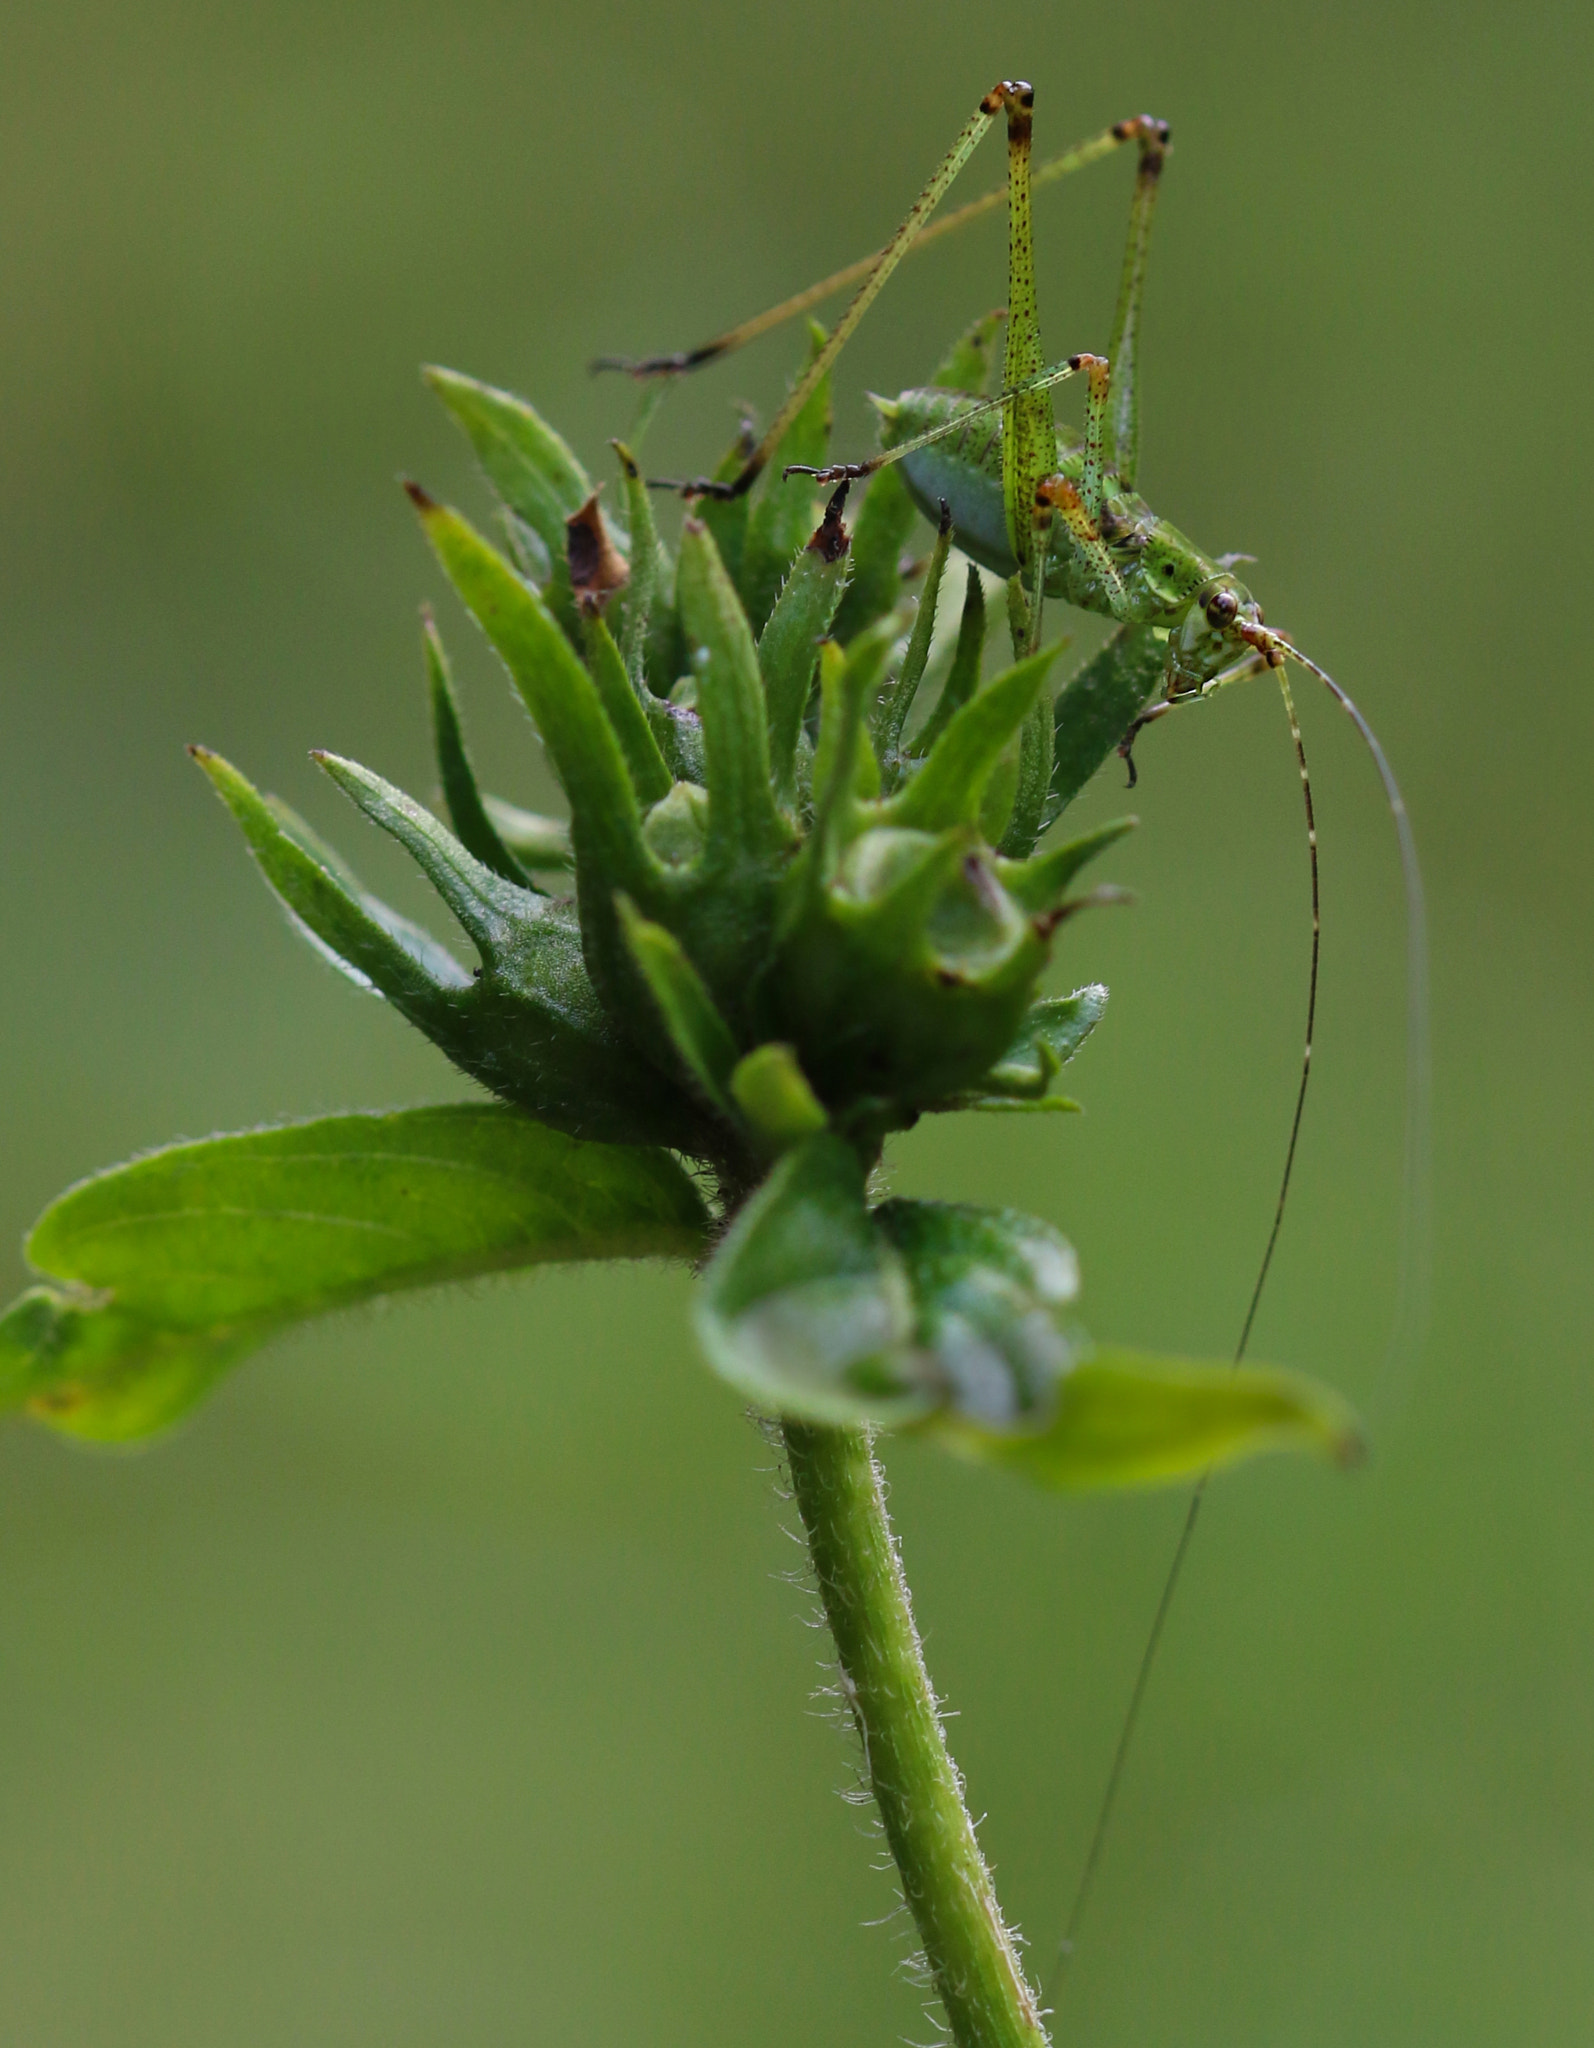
[(1253, 662)]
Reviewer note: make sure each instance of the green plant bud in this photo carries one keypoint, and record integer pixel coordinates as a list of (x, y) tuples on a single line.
[(907, 977), (676, 829), (773, 1094)]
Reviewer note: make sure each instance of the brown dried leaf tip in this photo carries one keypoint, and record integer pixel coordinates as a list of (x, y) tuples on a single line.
[(597, 568)]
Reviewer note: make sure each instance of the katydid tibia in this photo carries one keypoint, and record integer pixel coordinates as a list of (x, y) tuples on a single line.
[(1057, 514)]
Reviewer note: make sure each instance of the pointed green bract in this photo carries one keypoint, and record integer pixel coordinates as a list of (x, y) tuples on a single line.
[(1032, 786), (969, 363), (527, 463), (1129, 1419), (188, 1257), (783, 513), (744, 822), (696, 1030), (620, 696), (605, 826), (891, 714), (947, 789), (467, 813), (882, 524), (382, 950), (529, 1025), (1052, 1033), (804, 1307), (649, 622), (963, 677), (485, 904), (1038, 883), (788, 647), (842, 760), (727, 518)]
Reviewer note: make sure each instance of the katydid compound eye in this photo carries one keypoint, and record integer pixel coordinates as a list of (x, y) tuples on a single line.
[(1221, 607)]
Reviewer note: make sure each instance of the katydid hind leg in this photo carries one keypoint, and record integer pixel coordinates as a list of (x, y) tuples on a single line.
[(1122, 438)]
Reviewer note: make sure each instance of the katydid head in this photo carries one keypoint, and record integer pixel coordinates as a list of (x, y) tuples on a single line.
[(1221, 619)]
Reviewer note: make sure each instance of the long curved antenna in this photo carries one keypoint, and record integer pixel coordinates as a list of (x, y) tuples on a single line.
[(1170, 1584), (733, 338), (1416, 1235)]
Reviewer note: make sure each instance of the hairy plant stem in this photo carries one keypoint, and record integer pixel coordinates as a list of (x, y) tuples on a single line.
[(972, 1957)]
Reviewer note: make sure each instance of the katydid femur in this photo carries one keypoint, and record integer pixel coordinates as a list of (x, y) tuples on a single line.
[(1057, 514)]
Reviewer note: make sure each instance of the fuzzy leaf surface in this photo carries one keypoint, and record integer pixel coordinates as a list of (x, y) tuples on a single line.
[(175, 1264)]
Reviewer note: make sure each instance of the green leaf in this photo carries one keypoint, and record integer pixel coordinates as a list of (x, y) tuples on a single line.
[(989, 1286), (461, 794), (696, 1029), (783, 514), (174, 1265), (1128, 1419), (805, 1308), (1096, 707), (947, 789), (527, 463)]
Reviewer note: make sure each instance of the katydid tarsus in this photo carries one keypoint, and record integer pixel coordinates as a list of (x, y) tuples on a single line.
[(1056, 513)]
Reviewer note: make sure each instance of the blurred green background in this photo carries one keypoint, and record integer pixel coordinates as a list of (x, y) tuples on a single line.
[(438, 1684)]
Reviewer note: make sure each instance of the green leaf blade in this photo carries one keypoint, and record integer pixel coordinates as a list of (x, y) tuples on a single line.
[(1126, 1419), (205, 1249)]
